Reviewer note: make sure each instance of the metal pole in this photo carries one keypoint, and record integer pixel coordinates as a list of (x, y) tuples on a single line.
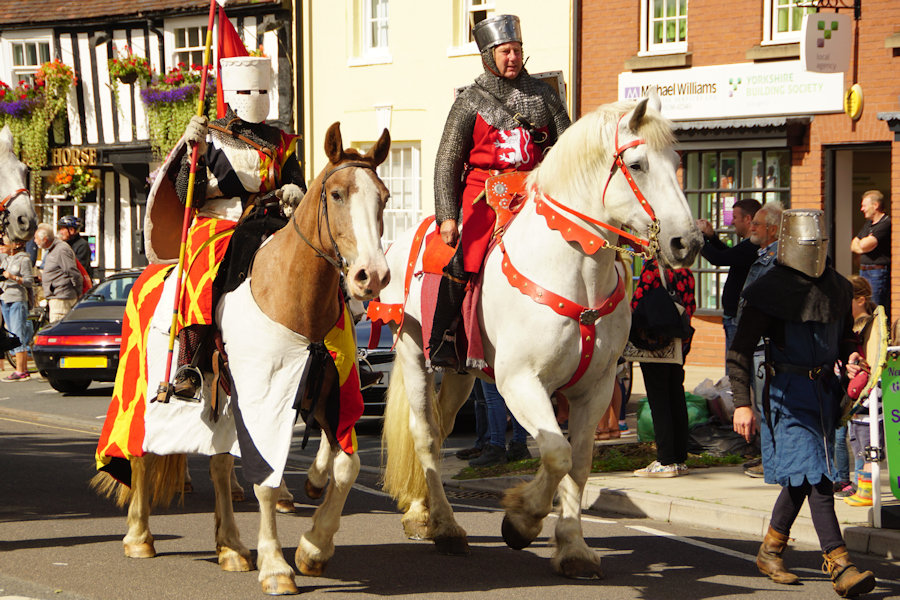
[(164, 391)]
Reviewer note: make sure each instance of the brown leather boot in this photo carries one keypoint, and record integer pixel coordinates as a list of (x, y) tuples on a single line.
[(845, 577), (769, 561)]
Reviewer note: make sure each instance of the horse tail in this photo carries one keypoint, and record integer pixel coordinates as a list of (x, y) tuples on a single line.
[(108, 486), (404, 477), (164, 477)]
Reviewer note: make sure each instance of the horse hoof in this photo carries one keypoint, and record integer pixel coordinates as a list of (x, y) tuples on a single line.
[(313, 492), (285, 507), (312, 568), (233, 562), (142, 550), (237, 495), (452, 546), (280, 585), (416, 530), (579, 568), (512, 536)]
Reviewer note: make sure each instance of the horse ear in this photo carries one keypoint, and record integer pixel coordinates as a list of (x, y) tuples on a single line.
[(380, 150), (637, 114), (6, 138), (334, 145)]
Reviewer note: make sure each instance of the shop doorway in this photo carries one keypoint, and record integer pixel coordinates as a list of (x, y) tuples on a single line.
[(852, 171)]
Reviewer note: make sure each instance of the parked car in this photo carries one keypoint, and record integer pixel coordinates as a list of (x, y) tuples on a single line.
[(378, 360), (84, 345)]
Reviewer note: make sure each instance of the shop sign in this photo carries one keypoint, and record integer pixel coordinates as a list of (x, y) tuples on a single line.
[(71, 156), (890, 385), (825, 42), (738, 90)]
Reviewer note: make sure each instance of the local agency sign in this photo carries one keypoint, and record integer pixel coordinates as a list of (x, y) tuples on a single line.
[(738, 90)]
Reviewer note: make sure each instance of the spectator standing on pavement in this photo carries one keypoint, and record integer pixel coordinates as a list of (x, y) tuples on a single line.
[(860, 437), (801, 307), (60, 276), (873, 244), (18, 277), (738, 258), (496, 451), (481, 425), (664, 382), (68, 231)]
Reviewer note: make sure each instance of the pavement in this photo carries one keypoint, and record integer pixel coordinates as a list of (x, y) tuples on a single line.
[(718, 497)]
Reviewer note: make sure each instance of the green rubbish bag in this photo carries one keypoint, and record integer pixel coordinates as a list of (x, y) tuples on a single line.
[(697, 409)]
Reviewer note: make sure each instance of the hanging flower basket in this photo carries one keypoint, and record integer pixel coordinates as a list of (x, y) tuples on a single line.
[(129, 67), (128, 78), (171, 101), (75, 182)]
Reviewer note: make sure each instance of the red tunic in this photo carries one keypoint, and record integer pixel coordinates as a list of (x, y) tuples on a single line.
[(493, 151)]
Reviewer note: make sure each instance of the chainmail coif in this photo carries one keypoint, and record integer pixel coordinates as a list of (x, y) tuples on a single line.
[(530, 97)]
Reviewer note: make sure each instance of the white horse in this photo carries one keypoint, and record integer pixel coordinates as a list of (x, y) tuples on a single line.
[(289, 301), (17, 217), (533, 349)]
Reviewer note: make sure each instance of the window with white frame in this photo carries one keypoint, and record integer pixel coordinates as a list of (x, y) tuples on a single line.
[(782, 20), (190, 44), (664, 25), (27, 58), (466, 14), (476, 11), (375, 27), (402, 174)]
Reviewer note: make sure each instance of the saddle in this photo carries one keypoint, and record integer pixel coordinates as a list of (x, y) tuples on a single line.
[(505, 195)]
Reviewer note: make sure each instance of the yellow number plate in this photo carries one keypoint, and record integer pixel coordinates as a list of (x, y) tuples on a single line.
[(83, 362)]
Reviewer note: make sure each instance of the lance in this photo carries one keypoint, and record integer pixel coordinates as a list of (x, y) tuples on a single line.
[(165, 389)]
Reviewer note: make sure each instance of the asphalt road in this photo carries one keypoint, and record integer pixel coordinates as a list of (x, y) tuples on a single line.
[(58, 540)]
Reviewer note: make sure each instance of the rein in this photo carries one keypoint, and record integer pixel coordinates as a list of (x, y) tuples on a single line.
[(11, 197), (337, 261)]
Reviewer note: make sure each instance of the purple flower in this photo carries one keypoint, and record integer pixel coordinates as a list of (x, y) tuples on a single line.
[(156, 96), (18, 108)]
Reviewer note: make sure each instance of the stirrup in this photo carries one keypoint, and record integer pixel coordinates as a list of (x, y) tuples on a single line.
[(445, 355), (188, 383)]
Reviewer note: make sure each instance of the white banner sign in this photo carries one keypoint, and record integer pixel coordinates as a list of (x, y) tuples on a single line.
[(738, 90), (825, 42)]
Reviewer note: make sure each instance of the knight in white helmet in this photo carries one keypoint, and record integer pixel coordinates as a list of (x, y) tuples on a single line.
[(247, 172)]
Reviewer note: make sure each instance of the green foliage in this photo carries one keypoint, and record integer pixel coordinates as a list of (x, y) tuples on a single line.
[(171, 101)]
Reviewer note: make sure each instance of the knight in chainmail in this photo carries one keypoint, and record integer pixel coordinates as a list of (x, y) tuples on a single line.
[(506, 121), (244, 167)]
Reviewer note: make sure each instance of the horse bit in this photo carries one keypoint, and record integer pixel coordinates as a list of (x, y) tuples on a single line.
[(339, 263)]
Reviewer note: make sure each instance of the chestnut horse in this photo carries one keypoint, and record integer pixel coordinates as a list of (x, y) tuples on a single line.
[(290, 300)]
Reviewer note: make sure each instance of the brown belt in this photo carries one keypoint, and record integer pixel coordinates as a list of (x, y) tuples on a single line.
[(872, 267)]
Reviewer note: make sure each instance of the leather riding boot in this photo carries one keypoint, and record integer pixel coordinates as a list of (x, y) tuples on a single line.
[(845, 577), (769, 561), (442, 345)]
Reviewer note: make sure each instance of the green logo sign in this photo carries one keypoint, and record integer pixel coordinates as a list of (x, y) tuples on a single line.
[(890, 386)]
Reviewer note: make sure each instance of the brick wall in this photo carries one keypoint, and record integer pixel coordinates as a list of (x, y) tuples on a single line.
[(610, 36)]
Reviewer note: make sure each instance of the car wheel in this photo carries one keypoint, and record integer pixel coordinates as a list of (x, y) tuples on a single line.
[(69, 386)]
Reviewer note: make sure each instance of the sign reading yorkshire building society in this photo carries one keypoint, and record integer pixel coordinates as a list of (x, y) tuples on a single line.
[(825, 42), (739, 90)]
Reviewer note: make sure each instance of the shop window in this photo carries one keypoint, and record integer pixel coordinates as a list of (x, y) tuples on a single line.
[(27, 57), (782, 20), (402, 174), (713, 182), (664, 26), (190, 44)]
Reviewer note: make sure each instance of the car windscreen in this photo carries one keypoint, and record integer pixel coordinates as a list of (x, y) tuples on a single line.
[(112, 290)]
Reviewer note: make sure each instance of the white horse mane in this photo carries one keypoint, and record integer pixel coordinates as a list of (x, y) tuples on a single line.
[(572, 161)]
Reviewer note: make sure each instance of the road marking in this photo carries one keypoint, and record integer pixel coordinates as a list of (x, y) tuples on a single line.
[(46, 392), (47, 426), (735, 553)]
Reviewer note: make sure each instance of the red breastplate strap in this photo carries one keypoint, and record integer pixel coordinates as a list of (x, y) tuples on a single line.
[(379, 312), (572, 232), (586, 317)]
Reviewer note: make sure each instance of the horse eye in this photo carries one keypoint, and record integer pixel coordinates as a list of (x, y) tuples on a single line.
[(336, 196), (635, 167)]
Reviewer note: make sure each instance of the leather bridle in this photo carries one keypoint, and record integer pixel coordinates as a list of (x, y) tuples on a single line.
[(337, 261), (4, 207)]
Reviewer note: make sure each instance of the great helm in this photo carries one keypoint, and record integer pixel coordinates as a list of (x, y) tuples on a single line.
[(802, 244), (246, 81), (497, 30)]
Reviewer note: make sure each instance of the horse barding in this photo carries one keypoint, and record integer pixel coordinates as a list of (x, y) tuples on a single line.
[(17, 217), (290, 346), (551, 317)]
